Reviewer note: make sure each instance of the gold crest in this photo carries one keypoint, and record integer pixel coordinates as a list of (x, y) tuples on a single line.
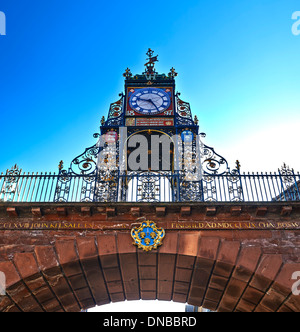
[(147, 236)]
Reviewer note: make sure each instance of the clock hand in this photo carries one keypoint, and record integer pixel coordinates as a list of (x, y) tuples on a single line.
[(149, 101)]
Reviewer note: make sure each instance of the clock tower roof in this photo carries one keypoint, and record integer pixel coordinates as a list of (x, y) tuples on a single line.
[(150, 76)]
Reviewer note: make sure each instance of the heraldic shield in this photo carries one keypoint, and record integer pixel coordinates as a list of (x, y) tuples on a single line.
[(147, 236)]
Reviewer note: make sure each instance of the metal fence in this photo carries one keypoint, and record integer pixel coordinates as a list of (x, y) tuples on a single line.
[(149, 187)]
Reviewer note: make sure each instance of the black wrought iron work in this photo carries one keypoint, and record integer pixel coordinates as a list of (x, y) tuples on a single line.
[(149, 187), (115, 114), (183, 112), (10, 186), (68, 187), (290, 186), (196, 174)]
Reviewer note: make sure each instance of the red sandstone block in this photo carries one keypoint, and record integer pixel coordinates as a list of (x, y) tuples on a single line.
[(286, 210), (86, 211), (188, 244), (165, 287), (11, 274), (37, 212), (218, 282), (26, 264), (183, 275), (211, 305), (293, 303), (117, 297), (124, 242), (61, 211), (86, 247), (148, 296), (211, 211), (226, 258), (128, 266), (244, 306), (208, 248), (147, 272), (160, 211), (107, 250), (236, 210), (12, 212), (68, 257), (253, 295), (247, 262), (110, 212), (181, 298), (106, 244), (285, 308), (272, 300), (213, 294), (286, 278), (46, 258), (261, 211), (185, 262), (147, 258), (266, 271), (185, 211), (181, 287), (148, 285), (135, 211), (115, 287), (169, 244), (112, 274), (66, 251), (131, 289), (235, 289)]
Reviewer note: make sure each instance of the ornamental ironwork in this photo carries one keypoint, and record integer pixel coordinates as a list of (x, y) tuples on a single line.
[(181, 169)]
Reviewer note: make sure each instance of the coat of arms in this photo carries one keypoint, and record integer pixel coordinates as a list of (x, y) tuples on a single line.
[(147, 236)]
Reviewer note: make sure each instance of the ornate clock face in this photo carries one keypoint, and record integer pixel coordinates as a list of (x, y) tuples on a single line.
[(150, 101)]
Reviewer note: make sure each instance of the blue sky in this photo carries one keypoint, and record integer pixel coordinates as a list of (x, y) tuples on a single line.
[(62, 64)]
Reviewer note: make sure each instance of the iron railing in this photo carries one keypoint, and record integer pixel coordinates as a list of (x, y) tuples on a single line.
[(149, 187)]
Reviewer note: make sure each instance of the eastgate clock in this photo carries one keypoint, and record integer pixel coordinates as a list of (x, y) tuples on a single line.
[(149, 101)]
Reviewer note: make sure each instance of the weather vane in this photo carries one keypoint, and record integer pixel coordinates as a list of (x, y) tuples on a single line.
[(150, 70)]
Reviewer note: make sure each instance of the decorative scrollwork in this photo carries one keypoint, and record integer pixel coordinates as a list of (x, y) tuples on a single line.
[(290, 187), (115, 113), (10, 185), (184, 113), (86, 163), (212, 162)]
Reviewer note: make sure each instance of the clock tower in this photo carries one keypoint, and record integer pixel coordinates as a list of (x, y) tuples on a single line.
[(149, 149), (153, 138)]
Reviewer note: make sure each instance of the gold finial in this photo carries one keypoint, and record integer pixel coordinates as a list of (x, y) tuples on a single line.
[(196, 120), (172, 73), (238, 165), (103, 121), (127, 73)]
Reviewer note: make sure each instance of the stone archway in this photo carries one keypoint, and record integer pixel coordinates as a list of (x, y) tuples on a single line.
[(222, 270)]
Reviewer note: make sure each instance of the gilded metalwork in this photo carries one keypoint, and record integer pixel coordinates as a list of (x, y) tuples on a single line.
[(147, 236)]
